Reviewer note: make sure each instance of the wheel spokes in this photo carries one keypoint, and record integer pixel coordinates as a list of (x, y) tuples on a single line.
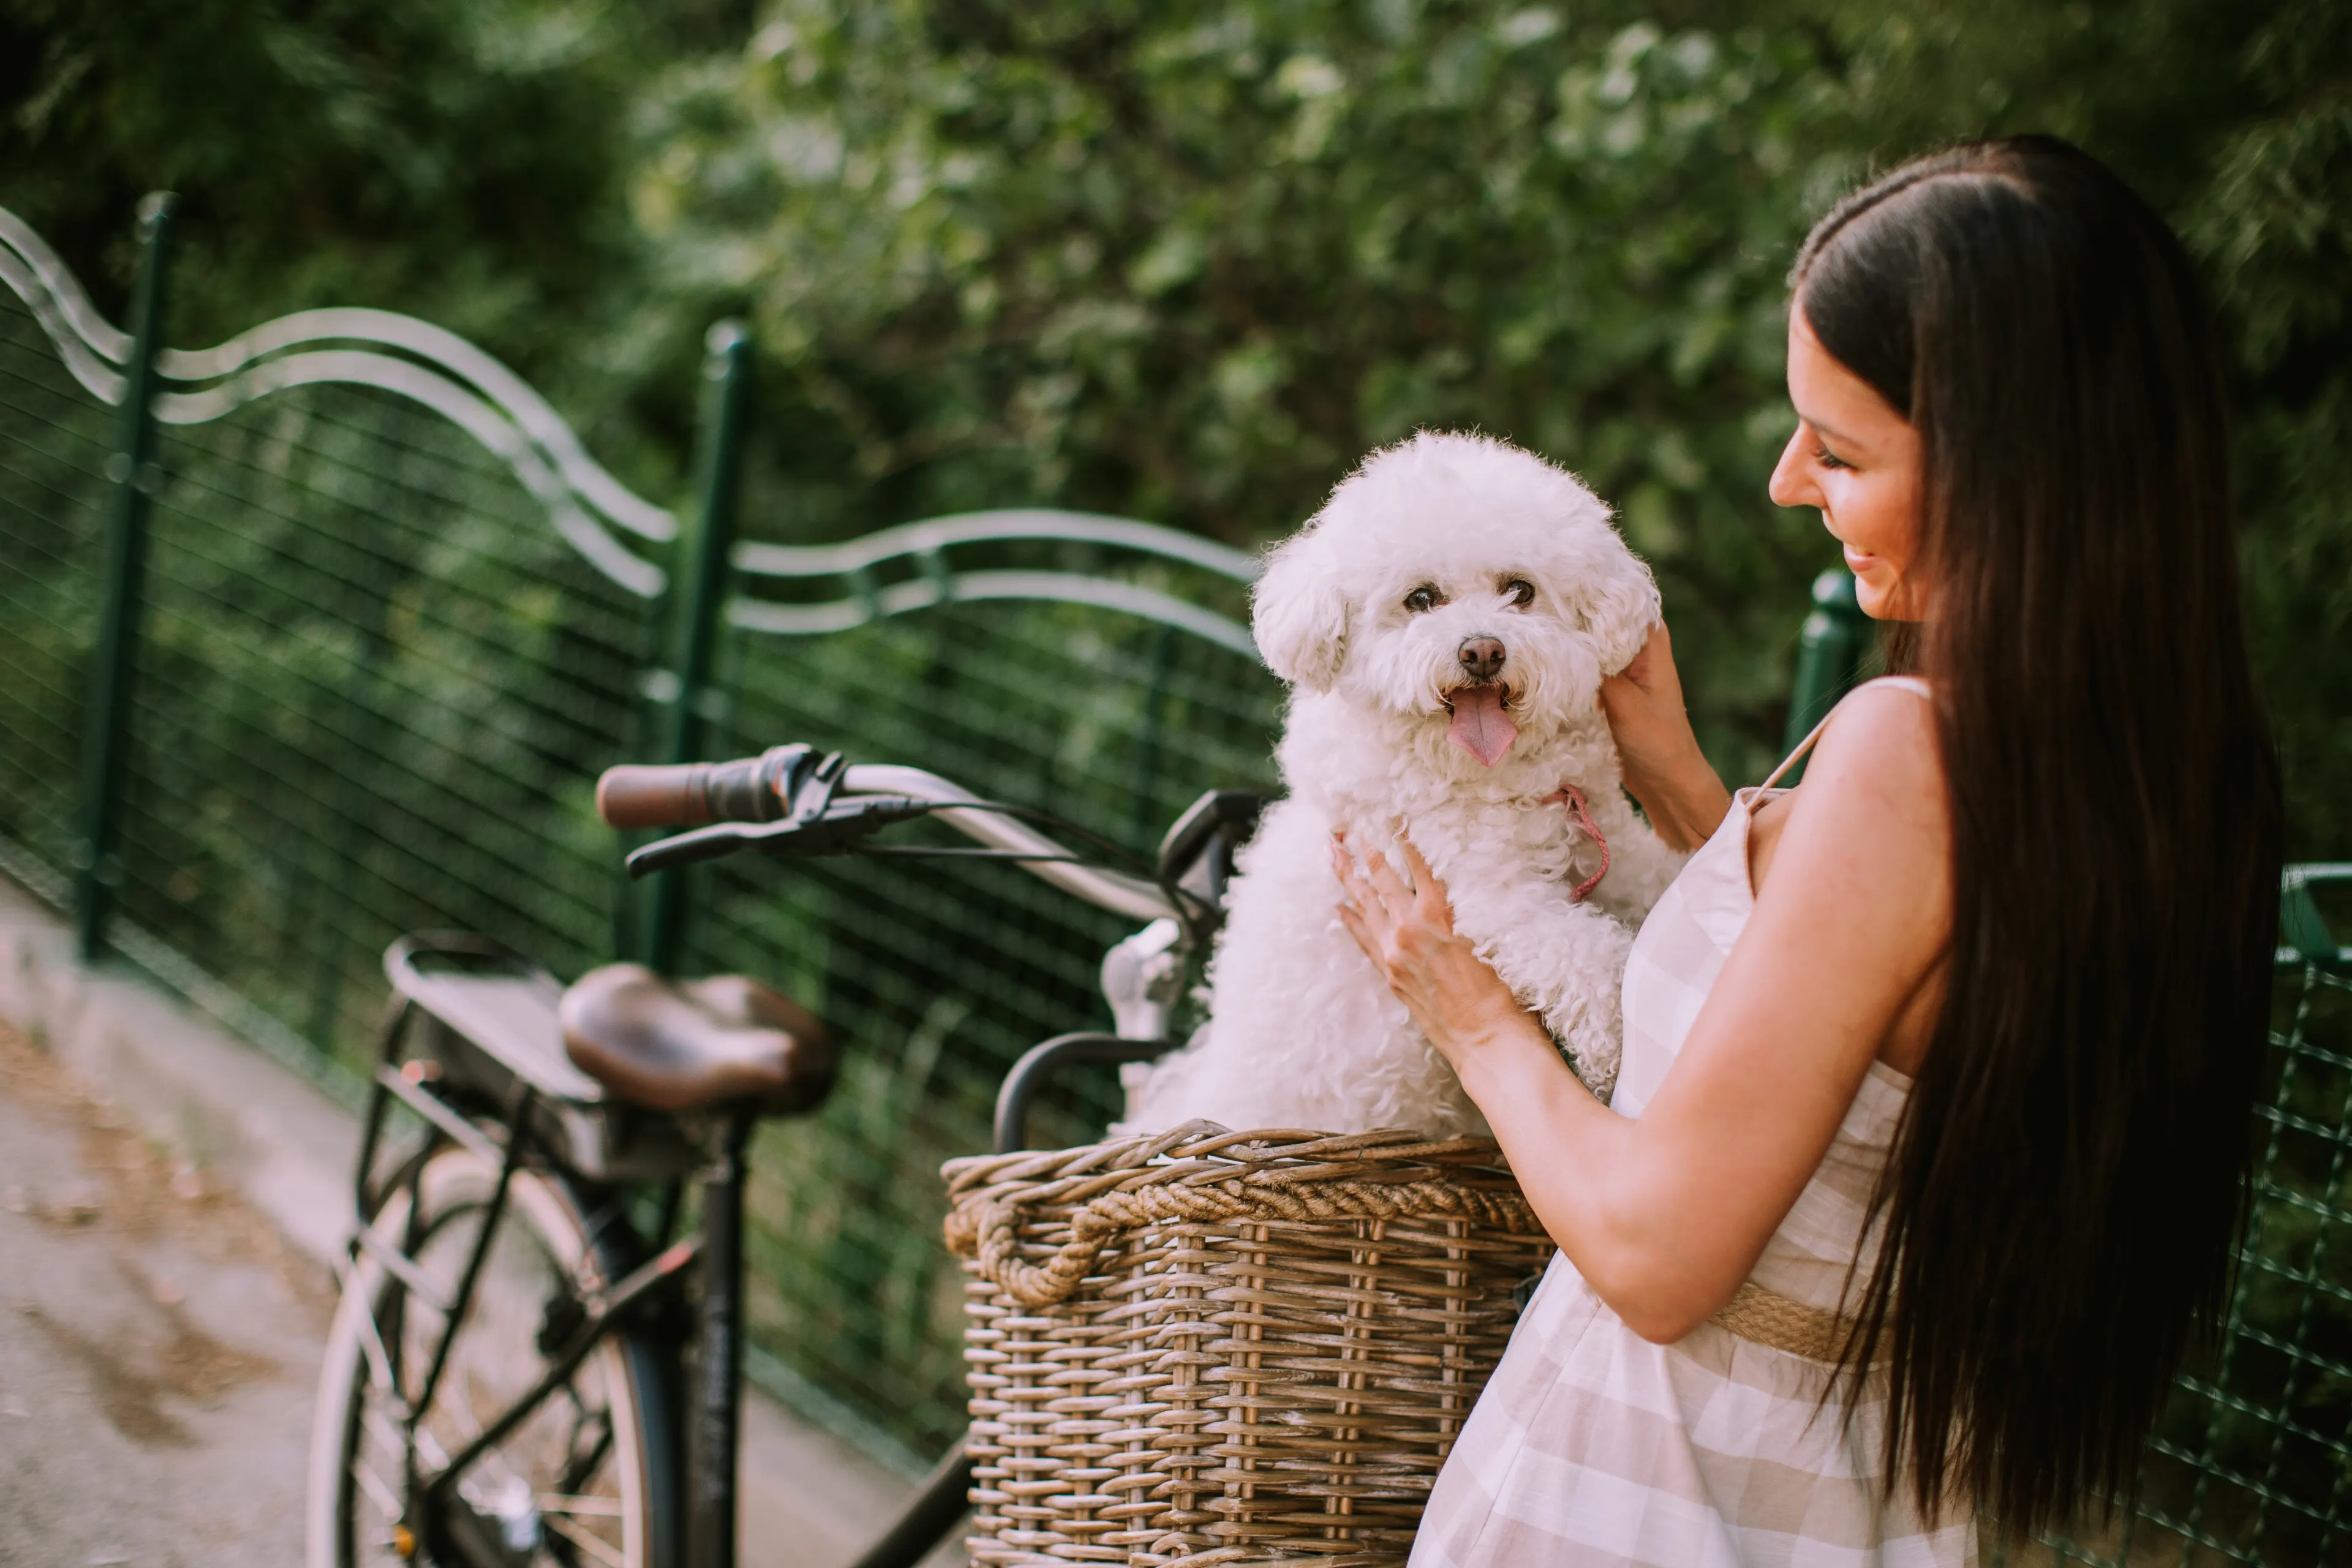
[(562, 1468), (603, 1552)]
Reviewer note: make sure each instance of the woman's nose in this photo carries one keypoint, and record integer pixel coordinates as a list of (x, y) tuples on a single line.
[(1792, 481)]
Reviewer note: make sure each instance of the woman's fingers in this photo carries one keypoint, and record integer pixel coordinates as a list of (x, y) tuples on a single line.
[(1358, 892), (1428, 892), (1657, 659), (1657, 654), (1362, 910), (1649, 674), (1382, 873), (1375, 888), (1353, 919)]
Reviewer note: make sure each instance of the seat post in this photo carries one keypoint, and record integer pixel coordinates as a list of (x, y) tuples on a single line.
[(718, 1355)]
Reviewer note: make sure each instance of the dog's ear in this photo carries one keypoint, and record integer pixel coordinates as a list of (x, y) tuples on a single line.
[(1624, 607), (1298, 613)]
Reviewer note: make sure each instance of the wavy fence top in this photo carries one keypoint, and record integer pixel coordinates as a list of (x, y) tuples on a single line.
[(926, 543), (593, 510), (369, 348)]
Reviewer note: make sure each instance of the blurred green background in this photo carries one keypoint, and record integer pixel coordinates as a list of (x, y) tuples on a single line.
[(1187, 261), (1174, 261)]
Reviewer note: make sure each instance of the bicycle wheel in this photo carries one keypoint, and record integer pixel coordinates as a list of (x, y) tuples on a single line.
[(583, 1483)]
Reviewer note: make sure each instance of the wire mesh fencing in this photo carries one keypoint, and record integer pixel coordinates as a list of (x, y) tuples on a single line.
[(372, 690), (2252, 1460), (54, 440), (941, 973), (377, 675)]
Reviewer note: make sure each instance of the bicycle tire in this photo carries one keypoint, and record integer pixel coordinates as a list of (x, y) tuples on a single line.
[(544, 1235)]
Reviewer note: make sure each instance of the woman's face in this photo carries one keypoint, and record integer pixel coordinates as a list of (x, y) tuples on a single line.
[(1858, 460)]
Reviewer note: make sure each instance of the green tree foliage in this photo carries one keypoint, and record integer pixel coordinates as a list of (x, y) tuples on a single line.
[(1175, 259), (453, 159), (1189, 260), (2275, 222)]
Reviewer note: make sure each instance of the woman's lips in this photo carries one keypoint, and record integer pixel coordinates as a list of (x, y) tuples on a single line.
[(1859, 561)]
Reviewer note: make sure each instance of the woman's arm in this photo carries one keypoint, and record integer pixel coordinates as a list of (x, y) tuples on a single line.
[(1664, 1215)]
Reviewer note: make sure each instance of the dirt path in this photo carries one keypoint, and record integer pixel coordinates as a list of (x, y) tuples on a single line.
[(158, 1344)]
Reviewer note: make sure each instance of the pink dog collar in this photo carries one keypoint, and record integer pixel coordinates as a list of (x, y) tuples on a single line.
[(1573, 798)]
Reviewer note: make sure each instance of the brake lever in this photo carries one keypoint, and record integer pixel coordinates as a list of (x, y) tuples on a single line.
[(830, 828), (810, 793)]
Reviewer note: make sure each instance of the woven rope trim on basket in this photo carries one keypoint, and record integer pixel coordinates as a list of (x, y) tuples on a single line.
[(990, 1230), (1770, 1319), (1205, 1174)]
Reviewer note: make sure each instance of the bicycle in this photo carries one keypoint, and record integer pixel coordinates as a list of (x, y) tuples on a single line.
[(525, 1367)]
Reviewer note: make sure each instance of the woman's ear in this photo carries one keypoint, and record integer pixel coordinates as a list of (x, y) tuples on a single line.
[(1298, 613)]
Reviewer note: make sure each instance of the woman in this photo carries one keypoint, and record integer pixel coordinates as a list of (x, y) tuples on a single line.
[(1925, 1164)]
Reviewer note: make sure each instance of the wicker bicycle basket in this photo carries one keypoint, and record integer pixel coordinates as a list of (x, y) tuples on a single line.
[(1214, 1347)]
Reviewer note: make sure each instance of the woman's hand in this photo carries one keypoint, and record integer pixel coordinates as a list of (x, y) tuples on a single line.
[(1665, 1214), (1455, 996), (1664, 769)]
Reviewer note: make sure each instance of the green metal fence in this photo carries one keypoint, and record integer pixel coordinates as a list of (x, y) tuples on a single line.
[(391, 622), (2252, 1461)]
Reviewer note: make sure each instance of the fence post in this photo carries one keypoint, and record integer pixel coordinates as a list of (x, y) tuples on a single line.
[(1828, 657), (699, 596), (132, 479)]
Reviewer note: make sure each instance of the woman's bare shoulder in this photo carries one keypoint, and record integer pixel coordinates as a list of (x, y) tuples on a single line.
[(1881, 736), (1873, 794), (1876, 772)]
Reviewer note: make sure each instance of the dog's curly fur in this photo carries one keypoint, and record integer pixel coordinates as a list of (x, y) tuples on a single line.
[(1302, 1031)]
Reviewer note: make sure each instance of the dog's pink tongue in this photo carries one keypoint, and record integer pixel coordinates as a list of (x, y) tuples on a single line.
[(1480, 726)]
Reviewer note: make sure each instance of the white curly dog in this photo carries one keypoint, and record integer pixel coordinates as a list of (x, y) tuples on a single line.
[(1444, 622)]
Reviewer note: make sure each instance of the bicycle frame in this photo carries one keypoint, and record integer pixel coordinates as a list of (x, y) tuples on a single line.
[(505, 1093), (712, 1257), (509, 1143)]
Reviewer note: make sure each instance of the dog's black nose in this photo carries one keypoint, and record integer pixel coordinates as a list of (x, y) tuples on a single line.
[(1482, 657)]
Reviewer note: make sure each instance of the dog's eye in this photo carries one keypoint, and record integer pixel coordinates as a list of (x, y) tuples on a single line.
[(1426, 598), (1521, 592)]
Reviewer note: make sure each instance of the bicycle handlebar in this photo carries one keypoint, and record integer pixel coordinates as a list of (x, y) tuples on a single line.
[(764, 788), (1114, 890), (692, 794)]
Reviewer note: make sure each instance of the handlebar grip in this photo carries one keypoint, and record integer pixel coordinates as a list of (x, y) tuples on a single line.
[(691, 794), (640, 796)]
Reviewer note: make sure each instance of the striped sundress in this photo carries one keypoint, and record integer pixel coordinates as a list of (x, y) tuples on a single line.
[(1592, 1447)]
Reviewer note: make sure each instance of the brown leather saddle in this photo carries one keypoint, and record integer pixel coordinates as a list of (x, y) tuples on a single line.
[(677, 1045)]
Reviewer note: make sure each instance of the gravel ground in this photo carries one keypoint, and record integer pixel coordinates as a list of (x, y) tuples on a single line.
[(160, 1341), (158, 1346)]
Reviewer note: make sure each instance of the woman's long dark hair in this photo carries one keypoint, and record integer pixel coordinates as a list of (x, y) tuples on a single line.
[(2062, 1201)]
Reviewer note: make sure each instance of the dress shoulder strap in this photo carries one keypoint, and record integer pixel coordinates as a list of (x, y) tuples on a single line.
[(1910, 683)]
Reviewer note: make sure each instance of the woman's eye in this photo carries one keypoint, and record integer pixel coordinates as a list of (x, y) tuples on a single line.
[(1829, 459), (1521, 592)]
